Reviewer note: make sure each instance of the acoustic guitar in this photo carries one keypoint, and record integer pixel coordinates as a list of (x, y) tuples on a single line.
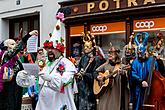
[(100, 86)]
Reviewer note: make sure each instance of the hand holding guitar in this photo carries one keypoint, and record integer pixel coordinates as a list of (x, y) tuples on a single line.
[(100, 78), (106, 78)]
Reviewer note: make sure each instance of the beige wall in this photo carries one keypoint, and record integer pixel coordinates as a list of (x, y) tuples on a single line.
[(46, 9)]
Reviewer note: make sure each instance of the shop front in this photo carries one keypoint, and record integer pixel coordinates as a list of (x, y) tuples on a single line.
[(112, 21)]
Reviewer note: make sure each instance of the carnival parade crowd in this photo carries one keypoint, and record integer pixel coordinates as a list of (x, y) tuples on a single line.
[(90, 82)]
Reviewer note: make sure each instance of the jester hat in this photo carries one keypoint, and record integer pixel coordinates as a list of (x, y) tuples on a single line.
[(56, 40)]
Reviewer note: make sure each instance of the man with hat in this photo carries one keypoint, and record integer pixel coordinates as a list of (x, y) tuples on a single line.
[(56, 79)]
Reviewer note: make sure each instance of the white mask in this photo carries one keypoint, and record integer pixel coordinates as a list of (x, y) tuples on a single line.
[(10, 43)]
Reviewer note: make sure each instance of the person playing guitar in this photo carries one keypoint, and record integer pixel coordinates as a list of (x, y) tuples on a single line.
[(114, 96)]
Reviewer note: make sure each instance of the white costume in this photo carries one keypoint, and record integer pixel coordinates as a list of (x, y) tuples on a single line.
[(52, 95)]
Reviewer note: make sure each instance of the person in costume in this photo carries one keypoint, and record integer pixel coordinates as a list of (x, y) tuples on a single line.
[(128, 55), (160, 53), (140, 70), (41, 58), (56, 80), (115, 96), (25, 57), (10, 92), (159, 48), (129, 51), (85, 99)]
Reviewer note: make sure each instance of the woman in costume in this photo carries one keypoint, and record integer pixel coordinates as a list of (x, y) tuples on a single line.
[(10, 92)]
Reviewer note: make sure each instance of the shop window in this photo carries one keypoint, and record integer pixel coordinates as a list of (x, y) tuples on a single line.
[(153, 26), (25, 27), (109, 32), (117, 40), (27, 24), (16, 29)]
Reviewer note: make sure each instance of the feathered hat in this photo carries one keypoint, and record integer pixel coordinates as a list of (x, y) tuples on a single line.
[(141, 46)]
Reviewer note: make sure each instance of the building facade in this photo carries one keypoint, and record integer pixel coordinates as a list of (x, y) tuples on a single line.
[(113, 20), (28, 15)]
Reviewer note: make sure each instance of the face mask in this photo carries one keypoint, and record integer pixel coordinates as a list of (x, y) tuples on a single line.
[(10, 43)]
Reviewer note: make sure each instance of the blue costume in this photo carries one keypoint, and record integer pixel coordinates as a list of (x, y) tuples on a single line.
[(140, 71)]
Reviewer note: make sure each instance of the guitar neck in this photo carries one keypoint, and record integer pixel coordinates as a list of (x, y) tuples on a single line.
[(115, 72), (110, 75)]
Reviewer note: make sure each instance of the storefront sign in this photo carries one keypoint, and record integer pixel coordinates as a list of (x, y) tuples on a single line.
[(149, 24), (106, 5), (108, 28), (76, 31), (145, 24), (101, 28)]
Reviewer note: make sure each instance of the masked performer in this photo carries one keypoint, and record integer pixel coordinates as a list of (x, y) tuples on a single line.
[(113, 96), (159, 48), (129, 51), (160, 53), (85, 99), (141, 68), (10, 92)]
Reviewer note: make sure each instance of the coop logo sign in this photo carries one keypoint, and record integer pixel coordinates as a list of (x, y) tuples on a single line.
[(101, 28), (145, 24)]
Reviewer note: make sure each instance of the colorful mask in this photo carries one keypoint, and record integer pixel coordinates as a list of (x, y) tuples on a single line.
[(142, 44), (130, 48), (88, 44)]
